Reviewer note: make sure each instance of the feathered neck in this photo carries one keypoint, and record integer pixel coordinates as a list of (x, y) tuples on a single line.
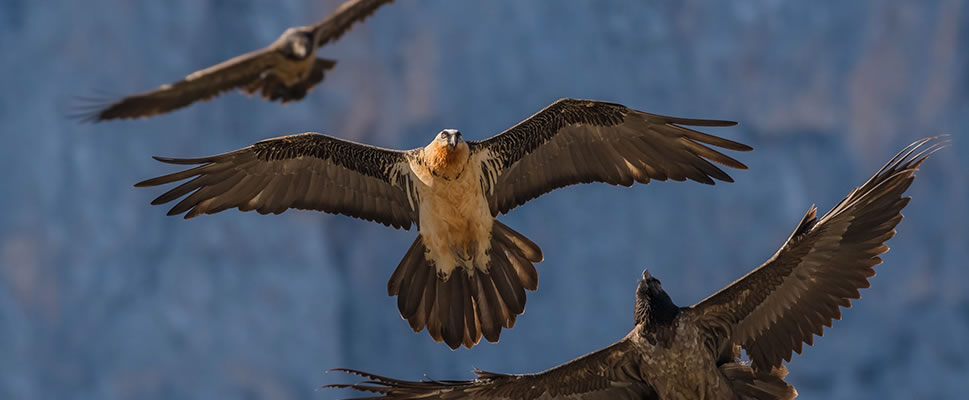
[(446, 162), (654, 308)]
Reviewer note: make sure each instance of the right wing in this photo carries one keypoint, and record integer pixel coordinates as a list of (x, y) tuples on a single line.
[(582, 141), (343, 18), (305, 171), (775, 308), (607, 374)]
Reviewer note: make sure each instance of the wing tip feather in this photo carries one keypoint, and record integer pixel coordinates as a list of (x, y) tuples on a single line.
[(882, 195)]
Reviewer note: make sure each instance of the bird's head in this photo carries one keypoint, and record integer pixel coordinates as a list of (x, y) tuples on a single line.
[(447, 154), (451, 138), (297, 43), (653, 305)]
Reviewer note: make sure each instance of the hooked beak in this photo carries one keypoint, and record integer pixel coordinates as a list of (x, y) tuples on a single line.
[(646, 274), (452, 141)]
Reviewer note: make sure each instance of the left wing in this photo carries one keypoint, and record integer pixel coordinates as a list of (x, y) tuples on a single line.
[(608, 374), (581, 141), (775, 308)]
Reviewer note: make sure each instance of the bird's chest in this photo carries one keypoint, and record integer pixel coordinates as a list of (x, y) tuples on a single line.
[(683, 368), (455, 220), (456, 201), (294, 71)]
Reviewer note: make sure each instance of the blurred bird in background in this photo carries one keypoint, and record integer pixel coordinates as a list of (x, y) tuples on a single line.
[(284, 71)]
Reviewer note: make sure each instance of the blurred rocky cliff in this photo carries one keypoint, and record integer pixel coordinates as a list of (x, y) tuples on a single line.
[(104, 297)]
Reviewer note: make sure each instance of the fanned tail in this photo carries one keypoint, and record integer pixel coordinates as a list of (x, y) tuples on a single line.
[(460, 308), (750, 385)]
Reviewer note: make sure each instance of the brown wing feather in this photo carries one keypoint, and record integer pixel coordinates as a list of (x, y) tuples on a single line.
[(343, 18), (610, 373), (775, 308), (205, 84), (582, 141), (305, 171)]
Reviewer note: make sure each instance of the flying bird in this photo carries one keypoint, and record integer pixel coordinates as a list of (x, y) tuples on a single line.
[(466, 273), (283, 71), (694, 352)]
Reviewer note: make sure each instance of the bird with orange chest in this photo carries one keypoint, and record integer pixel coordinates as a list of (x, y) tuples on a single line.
[(466, 273)]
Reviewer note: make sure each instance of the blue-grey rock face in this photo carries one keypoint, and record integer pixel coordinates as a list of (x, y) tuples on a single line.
[(104, 297)]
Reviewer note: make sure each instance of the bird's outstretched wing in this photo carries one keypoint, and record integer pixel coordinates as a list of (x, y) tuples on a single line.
[(237, 72), (343, 18), (305, 171), (775, 308), (610, 373), (581, 141)]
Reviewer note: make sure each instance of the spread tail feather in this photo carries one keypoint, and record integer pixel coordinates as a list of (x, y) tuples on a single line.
[(750, 385), (460, 308)]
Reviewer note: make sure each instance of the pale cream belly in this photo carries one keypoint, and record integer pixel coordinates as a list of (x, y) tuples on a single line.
[(455, 222)]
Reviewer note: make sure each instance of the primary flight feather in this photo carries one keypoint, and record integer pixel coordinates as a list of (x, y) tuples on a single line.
[(466, 273)]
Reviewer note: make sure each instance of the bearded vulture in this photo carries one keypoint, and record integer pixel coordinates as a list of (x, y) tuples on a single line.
[(285, 70), (694, 352), (466, 273)]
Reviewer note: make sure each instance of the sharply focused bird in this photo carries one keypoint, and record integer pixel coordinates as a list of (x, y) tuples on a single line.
[(466, 273), (285, 70), (694, 352)]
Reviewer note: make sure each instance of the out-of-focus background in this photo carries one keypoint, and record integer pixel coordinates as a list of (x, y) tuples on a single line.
[(104, 297)]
